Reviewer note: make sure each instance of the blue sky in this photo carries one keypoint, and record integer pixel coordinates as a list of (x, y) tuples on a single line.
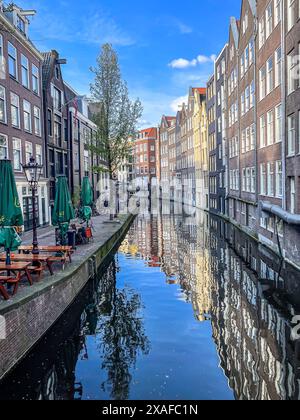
[(164, 46)]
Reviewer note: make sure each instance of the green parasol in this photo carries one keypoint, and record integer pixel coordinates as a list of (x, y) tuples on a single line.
[(10, 210), (87, 197), (86, 200), (63, 211)]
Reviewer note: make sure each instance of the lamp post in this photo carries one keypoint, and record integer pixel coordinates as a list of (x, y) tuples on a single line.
[(33, 172)]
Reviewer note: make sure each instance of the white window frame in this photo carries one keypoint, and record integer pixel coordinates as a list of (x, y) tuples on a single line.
[(3, 99)]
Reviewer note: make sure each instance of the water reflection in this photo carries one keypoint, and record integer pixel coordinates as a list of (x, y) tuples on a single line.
[(121, 337), (130, 331), (244, 290)]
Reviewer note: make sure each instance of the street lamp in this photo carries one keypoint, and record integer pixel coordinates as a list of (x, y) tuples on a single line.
[(33, 172)]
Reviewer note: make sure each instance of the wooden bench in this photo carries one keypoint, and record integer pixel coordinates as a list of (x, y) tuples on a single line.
[(52, 260), (9, 280), (39, 269)]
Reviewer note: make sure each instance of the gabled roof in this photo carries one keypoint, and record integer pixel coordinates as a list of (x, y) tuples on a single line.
[(253, 7), (48, 61), (151, 132), (234, 26), (167, 120), (202, 91)]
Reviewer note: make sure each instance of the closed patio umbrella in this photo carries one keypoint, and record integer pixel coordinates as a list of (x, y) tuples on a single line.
[(63, 211), (10, 210), (86, 200)]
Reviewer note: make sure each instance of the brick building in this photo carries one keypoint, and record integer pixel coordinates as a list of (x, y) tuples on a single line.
[(269, 116), (55, 112), (144, 155), (21, 102)]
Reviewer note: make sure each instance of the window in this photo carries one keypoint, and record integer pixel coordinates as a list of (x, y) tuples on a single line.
[(262, 131), (270, 130), (279, 179), (25, 71), (277, 7), (252, 94), (253, 180), (37, 120), (50, 123), (35, 79), (3, 115), (21, 24), (291, 135), (278, 124), (15, 110), (58, 130), (262, 33), (293, 77), (292, 13), (17, 154), (27, 116), (38, 154), (57, 98), (269, 20), (12, 61), (252, 137), (293, 194), (270, 175), (269, 75), (3, 147), (263, 179), (28, 151), (1, 45), (278, 70), (57, 72), (262, 79)]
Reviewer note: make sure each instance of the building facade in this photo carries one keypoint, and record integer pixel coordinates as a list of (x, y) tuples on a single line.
[(269, 73), (144, 156), (220, 130), (55, 112), (201, 148), (21, 103), (212, 145)]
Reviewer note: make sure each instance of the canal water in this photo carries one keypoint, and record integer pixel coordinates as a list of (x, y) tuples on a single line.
[(188, 308)]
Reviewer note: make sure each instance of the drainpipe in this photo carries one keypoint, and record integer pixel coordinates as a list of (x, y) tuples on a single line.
[(283, 103), (289, 218), (255, 108)]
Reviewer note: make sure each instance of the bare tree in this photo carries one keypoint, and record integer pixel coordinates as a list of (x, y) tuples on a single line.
[(115, 115)]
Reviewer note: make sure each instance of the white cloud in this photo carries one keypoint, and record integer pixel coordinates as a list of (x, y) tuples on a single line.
[(94, 26), (183, 63), (183, 28), (177, 103), (174, 23)]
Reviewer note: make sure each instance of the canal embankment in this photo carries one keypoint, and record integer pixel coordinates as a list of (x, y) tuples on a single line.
[(34, 310)]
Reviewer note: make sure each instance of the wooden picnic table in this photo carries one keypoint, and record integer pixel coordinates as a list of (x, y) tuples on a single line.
[(47, 259), (67, 250), (18, 269)]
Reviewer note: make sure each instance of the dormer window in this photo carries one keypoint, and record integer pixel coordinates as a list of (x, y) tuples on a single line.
[(57, 75), (21, 24)]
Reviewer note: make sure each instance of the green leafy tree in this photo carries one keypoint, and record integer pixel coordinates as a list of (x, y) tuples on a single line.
[(115, 115)]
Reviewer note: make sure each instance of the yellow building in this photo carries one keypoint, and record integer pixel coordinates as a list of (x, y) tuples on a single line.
[(201, 148)]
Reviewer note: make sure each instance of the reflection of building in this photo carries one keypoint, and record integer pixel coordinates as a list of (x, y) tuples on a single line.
[(251, 320), (240, 288)]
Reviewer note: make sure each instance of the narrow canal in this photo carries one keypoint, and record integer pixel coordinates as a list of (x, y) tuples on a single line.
[(189, 308)]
